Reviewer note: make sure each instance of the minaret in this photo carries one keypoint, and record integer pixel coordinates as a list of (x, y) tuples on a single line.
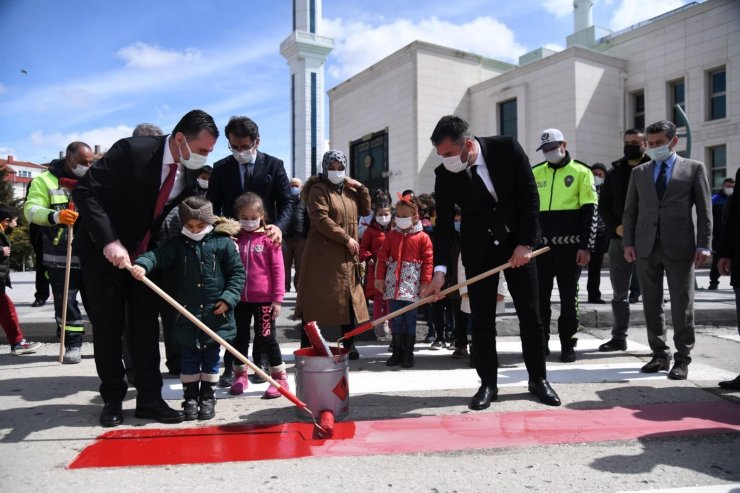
[(306, 54)]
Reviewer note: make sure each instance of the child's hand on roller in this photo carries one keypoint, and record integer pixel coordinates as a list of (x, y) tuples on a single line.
[(138, 272), (275, 309), (221, 308)]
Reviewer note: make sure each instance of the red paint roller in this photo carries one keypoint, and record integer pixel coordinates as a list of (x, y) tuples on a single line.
[(326, 424), (317, 340)]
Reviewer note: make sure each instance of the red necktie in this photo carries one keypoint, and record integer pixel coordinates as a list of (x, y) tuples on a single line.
[(164, 194)]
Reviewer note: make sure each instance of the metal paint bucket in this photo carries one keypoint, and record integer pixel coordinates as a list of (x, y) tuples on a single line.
[(323, 382)]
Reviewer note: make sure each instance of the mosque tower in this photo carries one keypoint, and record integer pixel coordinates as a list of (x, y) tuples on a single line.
[(306, 52)]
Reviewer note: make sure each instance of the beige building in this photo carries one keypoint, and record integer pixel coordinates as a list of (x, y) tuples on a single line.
[(600, 85)]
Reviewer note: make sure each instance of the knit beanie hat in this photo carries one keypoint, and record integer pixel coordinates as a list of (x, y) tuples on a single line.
[(196, 208)]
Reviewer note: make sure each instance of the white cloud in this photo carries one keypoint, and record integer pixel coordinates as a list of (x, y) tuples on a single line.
[(559, 8), (358, 45), (6, 151), (142, 55), (104, 137), (630, 12), (554, 47), (3, 88)]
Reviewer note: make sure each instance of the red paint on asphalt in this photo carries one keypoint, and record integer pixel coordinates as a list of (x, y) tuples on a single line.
[(155, 447)]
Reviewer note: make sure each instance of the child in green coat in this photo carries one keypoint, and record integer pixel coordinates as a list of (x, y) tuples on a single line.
[(210, 279)]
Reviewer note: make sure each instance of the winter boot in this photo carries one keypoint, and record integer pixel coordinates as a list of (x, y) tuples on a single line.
[(241, 382), (207, 396), (190, 396), (280, 376), (72, 355), (396, 345), (407, 354), (226, 377)]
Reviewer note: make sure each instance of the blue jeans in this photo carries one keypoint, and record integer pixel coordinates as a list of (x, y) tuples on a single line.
[(194, 361), (402, 324)]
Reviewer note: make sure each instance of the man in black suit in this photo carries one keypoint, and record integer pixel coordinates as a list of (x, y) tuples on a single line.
[(490, 179), (122, 201), (249, 170)]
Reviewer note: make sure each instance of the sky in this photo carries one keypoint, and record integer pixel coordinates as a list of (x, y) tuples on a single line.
[(91, 70)]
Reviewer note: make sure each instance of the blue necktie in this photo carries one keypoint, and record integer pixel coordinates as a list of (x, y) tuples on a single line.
[(662, 182)]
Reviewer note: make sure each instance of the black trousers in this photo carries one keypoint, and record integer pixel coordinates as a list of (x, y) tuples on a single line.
[(594, 267), (42, 280), (560, 263), (113, 298), (522, 283), (264, 331)]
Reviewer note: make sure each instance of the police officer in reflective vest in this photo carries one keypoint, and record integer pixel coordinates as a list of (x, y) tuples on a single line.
[(568, 219), (48, 205)]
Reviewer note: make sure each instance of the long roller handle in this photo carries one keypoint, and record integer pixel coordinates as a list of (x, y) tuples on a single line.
[(413, 306)]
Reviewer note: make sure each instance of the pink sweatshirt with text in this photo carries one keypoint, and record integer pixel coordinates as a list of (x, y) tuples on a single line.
[(263, 263)]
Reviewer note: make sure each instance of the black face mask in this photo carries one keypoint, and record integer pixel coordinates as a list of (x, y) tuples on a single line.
[(632, 151)]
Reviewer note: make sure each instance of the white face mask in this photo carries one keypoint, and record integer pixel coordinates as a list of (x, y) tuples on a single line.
[(661, 153), (598, 181), (80, 170), (203, 183), (455, 164), (555, 156), (336, 177), (383, 220), (728, 191), (244, 157), (404, 223), (250, 224), (196, 236), (196, 161)]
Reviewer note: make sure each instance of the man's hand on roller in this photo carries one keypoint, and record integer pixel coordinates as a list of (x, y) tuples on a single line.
[(521, 256), (434, 287), (66, 216)]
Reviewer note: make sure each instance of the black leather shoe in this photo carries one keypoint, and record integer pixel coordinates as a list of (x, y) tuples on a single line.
[(158, 411), (227, 378), (38, 302), (731, 384), (613, 345), (597, 301), (658, 363), (541, 388), (482, 399), (680, 371), (112, 414)]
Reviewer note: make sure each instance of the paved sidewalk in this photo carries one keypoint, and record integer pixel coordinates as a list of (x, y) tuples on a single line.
[(710, 308)]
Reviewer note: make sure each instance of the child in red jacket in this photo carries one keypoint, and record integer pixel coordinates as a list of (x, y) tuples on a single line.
[(405, 262), (370, 244)]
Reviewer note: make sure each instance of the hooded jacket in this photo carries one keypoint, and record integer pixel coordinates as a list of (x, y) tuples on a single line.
[(207, 271), (406, 262), (264, 267)]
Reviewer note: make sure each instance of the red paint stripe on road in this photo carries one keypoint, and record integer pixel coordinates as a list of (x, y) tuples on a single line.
[(233, 443)]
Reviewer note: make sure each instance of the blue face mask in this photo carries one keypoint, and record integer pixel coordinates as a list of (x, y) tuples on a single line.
[(660, 154), (457, 226), (294, 191)]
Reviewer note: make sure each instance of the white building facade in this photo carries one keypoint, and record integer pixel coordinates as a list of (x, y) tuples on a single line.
[(601, 85)]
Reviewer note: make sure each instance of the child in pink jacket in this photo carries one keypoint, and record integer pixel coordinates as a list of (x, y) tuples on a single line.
[(263, 293)]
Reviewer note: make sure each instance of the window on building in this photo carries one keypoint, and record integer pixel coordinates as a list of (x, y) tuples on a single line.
[(717, 94), (717, 161), (25, 174), (638, 109), (507, 120), (677, 97)]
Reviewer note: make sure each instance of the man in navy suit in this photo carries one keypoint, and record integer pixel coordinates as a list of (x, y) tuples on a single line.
[(490, 179), (250, 170)]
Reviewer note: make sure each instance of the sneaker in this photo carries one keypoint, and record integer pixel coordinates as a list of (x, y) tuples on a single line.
[(634, 299), (460, 353), (72, 355), (430, 338), (436, 345), (713, 285), (24, 347)]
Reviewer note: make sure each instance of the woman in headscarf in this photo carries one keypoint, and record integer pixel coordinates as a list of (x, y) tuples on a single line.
[(329, 288)]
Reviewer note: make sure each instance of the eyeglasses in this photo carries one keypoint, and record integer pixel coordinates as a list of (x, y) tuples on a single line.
[(242, 148)]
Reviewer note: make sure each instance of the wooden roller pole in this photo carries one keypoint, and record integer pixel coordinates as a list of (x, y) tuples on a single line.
[(65, 299)]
